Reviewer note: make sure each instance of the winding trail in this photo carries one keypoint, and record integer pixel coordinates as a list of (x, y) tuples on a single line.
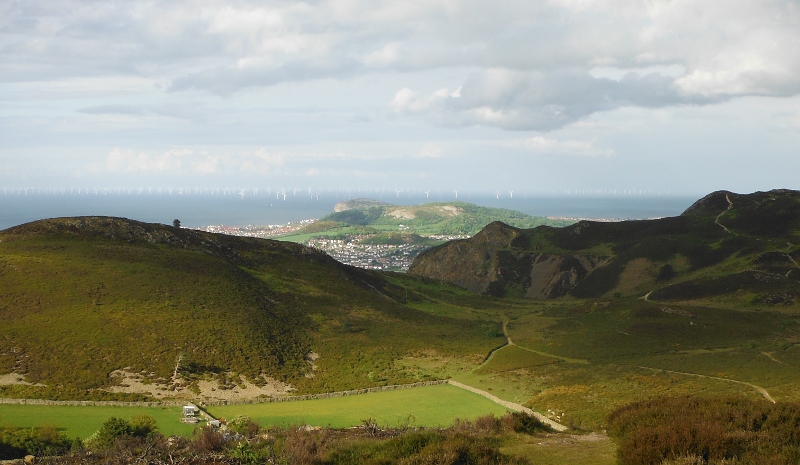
[(510, 405), (538, 352), (507, 343), (761, 390), (769, 356), (789, 256), (716, 220)]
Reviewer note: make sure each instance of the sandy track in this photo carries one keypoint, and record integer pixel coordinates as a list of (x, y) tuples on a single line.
[(510, 405), (761, 390)]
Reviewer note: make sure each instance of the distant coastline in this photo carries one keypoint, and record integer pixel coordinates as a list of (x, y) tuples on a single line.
[(198, 211)]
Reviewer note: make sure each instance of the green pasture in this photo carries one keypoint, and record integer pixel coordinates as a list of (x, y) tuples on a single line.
[(83, 421), (428, 406), (582, 359)]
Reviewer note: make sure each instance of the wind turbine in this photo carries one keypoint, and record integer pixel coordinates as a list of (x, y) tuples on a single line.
[(397, 191), (241, 192), (497, 194), (456, 192), (427, 193), (511, 194)]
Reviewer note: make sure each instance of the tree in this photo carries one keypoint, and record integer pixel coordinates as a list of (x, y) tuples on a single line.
[(112, 429), (176, 222)]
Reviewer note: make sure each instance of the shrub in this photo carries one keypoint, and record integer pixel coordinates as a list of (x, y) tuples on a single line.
[(683, 430), (208, 440), (244, 425), (113, 429), (18, 442), (521, 422)]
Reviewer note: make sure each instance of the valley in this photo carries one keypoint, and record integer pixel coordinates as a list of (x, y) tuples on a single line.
[(675, 308)]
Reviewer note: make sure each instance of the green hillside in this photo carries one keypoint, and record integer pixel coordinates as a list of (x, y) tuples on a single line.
[(440, 218), (743, 248), (83, 297)]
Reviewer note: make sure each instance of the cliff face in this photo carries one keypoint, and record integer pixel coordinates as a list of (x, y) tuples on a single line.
[(498, 257), (723, 232)]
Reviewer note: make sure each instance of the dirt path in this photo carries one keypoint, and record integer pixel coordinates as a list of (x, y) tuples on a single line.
[(789, 256), (769, 356), (493, 351), (716, 220), (510, 405), (761, 390), (545, 354)]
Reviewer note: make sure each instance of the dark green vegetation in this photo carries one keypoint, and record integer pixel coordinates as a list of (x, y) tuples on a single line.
[(83, 297), (443, 218), (740, 248), (118, 441), (18, 442), (689, 430)]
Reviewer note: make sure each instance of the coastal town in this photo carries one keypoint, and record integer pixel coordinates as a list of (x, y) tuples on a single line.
[(268, 231), (369, 256), (351, 249)]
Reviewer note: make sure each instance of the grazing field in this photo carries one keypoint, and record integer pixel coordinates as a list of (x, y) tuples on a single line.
[(83, 421), (423, 406)]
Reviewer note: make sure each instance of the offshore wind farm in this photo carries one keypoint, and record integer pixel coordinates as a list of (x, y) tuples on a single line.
[(241, 206)]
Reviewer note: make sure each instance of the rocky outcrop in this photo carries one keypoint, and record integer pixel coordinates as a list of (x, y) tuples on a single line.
[(499, 258), (595, 259)]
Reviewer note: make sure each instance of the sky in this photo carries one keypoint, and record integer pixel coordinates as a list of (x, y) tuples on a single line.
[(538, 96)]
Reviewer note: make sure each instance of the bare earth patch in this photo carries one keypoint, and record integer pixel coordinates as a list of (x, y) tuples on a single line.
[(136, 383), (550, 439), (14, 378), (402, 213)]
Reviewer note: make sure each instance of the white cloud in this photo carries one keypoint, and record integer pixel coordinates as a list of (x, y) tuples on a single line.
[(430, 150), (727, 49), (519, 100)]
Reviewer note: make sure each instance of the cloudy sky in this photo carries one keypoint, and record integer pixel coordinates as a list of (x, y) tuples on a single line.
[(541, 96)]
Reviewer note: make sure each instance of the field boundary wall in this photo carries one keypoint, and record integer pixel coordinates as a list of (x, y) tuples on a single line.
[(211, 403), (325, 395), (95, 403)]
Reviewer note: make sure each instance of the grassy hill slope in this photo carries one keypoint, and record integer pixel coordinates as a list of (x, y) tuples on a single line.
[(724, 244), (440, 218), (82, 297)]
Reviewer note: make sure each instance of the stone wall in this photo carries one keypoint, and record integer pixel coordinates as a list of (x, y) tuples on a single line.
[(326, 395)]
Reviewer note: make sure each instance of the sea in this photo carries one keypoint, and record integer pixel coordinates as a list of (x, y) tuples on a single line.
[(261, 209)]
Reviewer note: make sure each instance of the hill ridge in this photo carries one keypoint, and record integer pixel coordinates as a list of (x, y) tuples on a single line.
[(601, 259)]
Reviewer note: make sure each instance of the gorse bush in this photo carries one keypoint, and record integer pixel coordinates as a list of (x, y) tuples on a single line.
[(466, 442), (19, 442), (716, 431), (140, 426)]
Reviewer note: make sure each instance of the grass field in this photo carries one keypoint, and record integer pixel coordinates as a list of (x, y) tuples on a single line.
[(83, 421), (428, 406), (621, 345)]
